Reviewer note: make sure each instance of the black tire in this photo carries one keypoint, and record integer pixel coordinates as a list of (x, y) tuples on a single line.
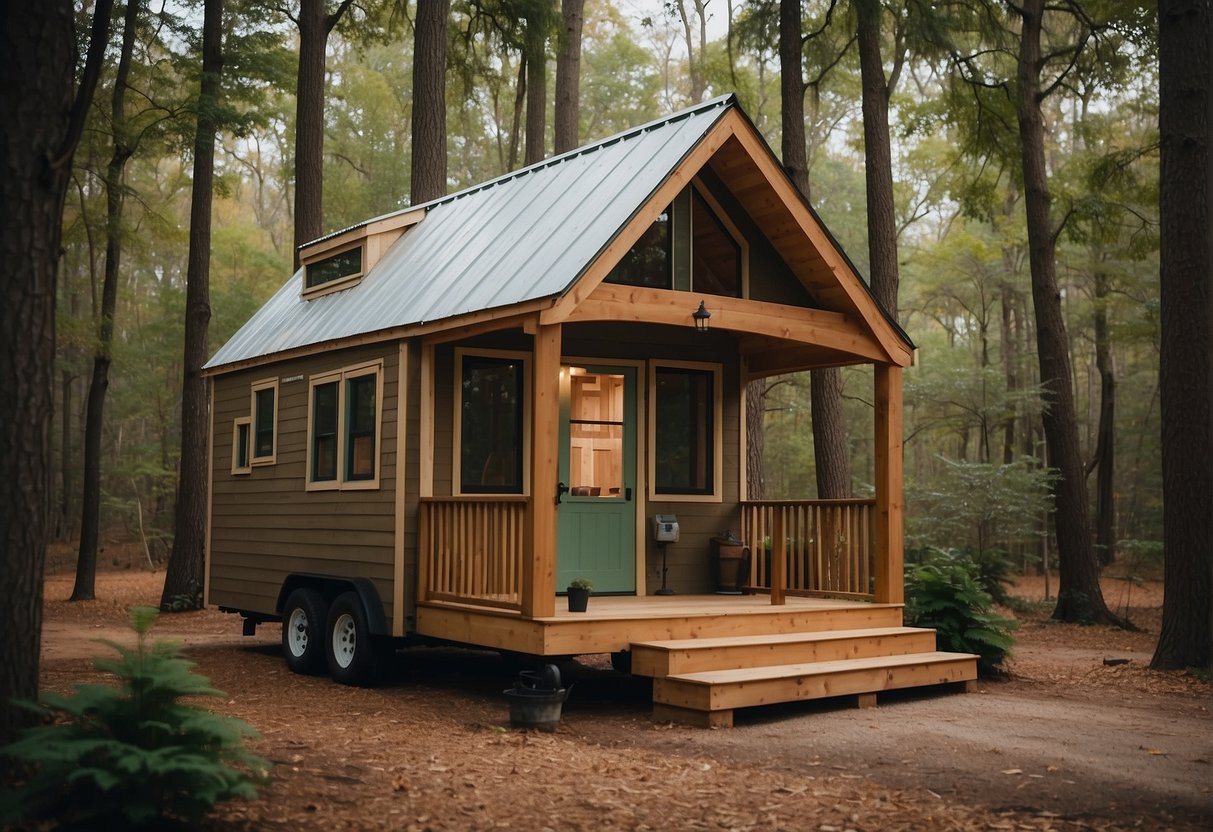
[(354, 656), (304, 616)]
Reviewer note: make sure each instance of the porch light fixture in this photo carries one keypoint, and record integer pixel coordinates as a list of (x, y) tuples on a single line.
[(701, 316)]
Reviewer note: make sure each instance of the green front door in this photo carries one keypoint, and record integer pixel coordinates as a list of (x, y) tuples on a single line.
[(596, 537)]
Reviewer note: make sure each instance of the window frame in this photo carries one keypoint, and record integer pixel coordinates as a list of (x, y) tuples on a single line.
[(338, 283), (716, 371), (524, 358), (272, 457), (239, 422), (342, 377)]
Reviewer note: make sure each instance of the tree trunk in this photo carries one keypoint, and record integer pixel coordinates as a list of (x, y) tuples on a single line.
[(568, 77), (519, 106), (878, 158), (791, 93), (536, 89), (314, 28), (39, 131), (1186, 387), (428, 179), (830, 452), (309, 125), (755, 438), (1079, 597), (1105, 446), (115, 176), (184, 577)]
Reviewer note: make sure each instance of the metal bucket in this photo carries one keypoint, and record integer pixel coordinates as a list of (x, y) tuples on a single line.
[(536, 699)]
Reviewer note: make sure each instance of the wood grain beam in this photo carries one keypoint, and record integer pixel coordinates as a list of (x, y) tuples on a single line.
[(539, 569), (890, 520)]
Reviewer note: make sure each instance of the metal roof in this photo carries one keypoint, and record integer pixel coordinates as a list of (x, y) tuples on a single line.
[(521, 237)]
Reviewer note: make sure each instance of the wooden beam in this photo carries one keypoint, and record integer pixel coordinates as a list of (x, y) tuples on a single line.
[(611, 302), (890, 528), (539, 569), (402, 451), (793, 359), (779, 557)]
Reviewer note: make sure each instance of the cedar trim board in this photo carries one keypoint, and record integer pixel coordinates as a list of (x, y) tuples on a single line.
[(726, 689), (668, 658)]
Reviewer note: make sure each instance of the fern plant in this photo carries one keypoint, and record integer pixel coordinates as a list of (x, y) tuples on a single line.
[(133, 755), (944, 594)]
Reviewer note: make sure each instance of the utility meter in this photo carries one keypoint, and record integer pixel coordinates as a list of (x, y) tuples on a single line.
[(665, 528)]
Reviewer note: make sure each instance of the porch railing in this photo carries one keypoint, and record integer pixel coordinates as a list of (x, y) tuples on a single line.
[(471, 550), (830, 546)]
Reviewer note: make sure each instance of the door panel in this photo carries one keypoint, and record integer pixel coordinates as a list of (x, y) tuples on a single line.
[(597, 516)]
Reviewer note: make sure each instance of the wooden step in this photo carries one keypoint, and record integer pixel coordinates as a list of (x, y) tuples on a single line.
[(679, 656), (709, 697)]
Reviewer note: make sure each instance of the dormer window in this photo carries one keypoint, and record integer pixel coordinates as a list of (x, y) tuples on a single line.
[(333, 272)]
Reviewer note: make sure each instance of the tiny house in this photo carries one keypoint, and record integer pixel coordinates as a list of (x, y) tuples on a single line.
[(451, 412)]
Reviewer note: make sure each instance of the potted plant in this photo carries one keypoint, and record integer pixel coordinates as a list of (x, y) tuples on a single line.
[(579, 594)]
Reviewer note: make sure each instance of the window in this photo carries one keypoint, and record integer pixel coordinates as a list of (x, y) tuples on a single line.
[(648, 262), (343, 266), (345, 409), (360, 427), (715, 255), (240, 445), (686, 413), (490, 424), (323, 435), (264, 421)]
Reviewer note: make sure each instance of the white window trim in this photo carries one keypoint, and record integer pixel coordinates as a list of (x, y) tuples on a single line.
[(342, 376), (457, 432), (258, 386), (247, 422), (717, 371)]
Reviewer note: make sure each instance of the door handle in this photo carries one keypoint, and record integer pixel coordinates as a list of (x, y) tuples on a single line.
[(627, 493), (561, 490)]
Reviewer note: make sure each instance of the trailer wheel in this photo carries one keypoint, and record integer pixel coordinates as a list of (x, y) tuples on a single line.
[(354, 657), (303, 619)]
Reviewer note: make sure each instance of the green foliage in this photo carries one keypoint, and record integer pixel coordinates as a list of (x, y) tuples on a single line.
[(945, 594), (132, 756), (581, 583), (991, 567)]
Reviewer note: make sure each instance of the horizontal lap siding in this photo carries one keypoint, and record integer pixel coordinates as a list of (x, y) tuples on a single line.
[(265, 524)]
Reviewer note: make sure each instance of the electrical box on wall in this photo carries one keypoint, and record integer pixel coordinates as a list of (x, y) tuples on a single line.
[(665, 528)]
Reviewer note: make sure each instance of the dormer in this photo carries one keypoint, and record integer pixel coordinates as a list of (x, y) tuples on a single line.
[(340, 260)]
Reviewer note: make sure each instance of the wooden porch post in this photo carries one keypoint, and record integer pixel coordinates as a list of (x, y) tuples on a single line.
[(779, 555), (890, 520), (539, 562)]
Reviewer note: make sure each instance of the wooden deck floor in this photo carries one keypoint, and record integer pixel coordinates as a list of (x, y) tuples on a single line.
[(613, 623)]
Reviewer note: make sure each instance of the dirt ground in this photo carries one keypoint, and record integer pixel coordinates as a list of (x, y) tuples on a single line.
[(1065, 743)]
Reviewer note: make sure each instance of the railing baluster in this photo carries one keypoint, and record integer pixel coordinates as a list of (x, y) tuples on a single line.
[(827, 544)]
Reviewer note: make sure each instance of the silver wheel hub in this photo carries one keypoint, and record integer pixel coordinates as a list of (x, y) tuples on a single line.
[(296, 632), (345, 637)]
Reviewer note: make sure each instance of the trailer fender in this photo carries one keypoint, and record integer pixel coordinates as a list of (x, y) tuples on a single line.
[(331, 586)]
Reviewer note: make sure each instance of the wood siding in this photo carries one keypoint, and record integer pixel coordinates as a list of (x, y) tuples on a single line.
[(265, 525)]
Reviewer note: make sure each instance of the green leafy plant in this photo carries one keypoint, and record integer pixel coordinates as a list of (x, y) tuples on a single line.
[(131, 755), (944, 594), (581, 583)]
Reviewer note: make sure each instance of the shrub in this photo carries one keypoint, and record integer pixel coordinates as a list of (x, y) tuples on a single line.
[(943, 593), (132, 756)]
